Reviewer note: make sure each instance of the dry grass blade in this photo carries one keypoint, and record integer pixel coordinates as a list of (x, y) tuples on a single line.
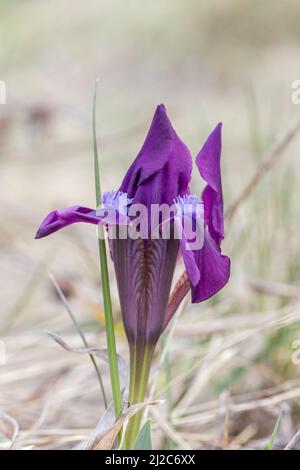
[(80, 332), (242, 398), (210, 415), (269, 161), (226, 400), (13, 428), (294, 441), (100, 440), (27, 294), (277, 289), (101, 353), (206, 373), (169, 430), (289, 316), (105, 423)]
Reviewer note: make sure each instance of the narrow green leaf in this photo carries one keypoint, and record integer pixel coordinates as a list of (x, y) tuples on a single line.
[(109, 323), (95, 147), (270, 444), (143, 440)]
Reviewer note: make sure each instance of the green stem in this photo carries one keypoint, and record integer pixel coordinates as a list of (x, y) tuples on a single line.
[(140, 364), (109, 323)]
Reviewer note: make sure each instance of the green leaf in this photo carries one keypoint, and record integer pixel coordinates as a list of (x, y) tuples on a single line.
[(143, 440), (270, 444), (109, 322)]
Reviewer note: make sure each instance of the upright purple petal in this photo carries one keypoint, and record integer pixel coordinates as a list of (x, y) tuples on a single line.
[(162, 168), (144, 271), (208, 163)]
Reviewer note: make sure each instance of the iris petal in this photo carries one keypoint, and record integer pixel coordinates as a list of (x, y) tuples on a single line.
[(144, 271), (208, 163), (112, 212), (59, 219), (190, 230), (214, 268), (207, 269), (162, 168)]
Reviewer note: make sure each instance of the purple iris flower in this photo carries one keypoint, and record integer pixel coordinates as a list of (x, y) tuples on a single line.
[(144, 266)]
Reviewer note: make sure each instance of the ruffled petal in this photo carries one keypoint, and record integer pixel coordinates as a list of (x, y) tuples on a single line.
[(189, 223), (208, 163)]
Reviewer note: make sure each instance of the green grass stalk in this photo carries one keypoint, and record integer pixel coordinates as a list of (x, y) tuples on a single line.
[(109, 323)]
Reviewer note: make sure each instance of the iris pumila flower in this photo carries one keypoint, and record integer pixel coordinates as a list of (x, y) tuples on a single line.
[(144, 266)]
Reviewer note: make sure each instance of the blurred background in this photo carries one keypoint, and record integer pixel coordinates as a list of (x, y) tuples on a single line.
[(229, 372)]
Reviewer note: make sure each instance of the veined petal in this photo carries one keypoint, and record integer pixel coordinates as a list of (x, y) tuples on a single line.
[(208, 163), (144, 271), (162, 168)]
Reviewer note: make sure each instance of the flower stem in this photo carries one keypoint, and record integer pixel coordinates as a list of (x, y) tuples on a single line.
[(109, 323), (140, 364)]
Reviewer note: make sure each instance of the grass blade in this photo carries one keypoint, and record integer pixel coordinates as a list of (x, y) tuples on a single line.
[(109, 324), (143, 440), (80, 332), (270, 444)]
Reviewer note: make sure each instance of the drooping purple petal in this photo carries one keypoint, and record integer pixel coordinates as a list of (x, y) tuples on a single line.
[(214, 270), (162, 168), (112, 212), (215, 274), (189, 222), (58, 219), (208, 163), (207, 269), (190, 263)]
